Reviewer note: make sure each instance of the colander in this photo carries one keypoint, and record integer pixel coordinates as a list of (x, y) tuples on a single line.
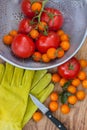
[(75, 24)]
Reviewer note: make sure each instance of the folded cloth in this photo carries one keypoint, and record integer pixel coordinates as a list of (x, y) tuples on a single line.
[(15, 85)]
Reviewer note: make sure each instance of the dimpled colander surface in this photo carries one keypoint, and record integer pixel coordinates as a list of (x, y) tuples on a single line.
[(75, 24)]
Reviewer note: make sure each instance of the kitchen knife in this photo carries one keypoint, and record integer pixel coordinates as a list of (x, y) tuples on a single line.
[(47, 112)]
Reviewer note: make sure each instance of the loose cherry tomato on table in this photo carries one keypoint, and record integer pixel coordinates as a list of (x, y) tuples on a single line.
[(65, 109), (80, 95), (53, 18), (23, 46), (26, 8), (24, 26), (70, 69), (45, 42), (37, 116), (53, 106), (54, 96)]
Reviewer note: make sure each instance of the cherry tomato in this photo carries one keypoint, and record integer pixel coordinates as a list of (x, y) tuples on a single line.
[(23, 46), (26, 8), (70, 69), (53, 18), (24, 26), (45, 42)]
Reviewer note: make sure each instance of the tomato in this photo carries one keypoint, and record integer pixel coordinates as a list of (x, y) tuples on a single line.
[(26, 8), (24, 26), (45, 42), (23, 46), (70, 69), (53, 18)]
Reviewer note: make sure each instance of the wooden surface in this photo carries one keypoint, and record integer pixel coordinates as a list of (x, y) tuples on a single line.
[(75, 120)]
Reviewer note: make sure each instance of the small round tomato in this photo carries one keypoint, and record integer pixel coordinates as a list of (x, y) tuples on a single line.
[(23, 46), (45, 42), (26, 8), (70, 69), (53, 18), (24, 26)]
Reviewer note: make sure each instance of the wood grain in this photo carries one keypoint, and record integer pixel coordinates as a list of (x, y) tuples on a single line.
[(76, 119)]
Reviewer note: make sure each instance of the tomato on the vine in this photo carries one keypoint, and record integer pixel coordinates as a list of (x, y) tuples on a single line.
[(26, 8), (69, 69), (53, 18), (25, 26), (45, 42), (23, 46)]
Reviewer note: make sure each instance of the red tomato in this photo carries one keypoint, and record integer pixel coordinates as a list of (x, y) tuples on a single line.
[(24, 26), (23, 46), (26, 8), (70, 69), (53, 18), (45, 42)]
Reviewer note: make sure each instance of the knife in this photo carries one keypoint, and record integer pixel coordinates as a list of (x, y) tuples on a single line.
[(47, 112)]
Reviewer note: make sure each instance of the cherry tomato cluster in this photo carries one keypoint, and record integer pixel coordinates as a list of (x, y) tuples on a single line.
[(39, 33), (72, 87), (72, 78)]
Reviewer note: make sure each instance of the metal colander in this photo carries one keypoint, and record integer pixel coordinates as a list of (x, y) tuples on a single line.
[(75, 24)]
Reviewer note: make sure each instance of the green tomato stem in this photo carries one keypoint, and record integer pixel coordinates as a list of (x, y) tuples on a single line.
[(42, 9)]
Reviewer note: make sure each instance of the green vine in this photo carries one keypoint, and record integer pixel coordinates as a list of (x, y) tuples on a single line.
[(42, 9)]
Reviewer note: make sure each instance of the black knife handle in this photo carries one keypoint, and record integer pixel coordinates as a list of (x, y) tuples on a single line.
[(55, 121)]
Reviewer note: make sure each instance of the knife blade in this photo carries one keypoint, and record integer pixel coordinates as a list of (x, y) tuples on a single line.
[(47, 112)]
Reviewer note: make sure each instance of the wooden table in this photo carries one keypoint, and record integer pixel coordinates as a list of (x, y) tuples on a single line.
[(75, 120)]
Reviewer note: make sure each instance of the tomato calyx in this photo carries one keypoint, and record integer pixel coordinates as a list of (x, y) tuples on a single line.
[(70, 66), (51, 15)]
